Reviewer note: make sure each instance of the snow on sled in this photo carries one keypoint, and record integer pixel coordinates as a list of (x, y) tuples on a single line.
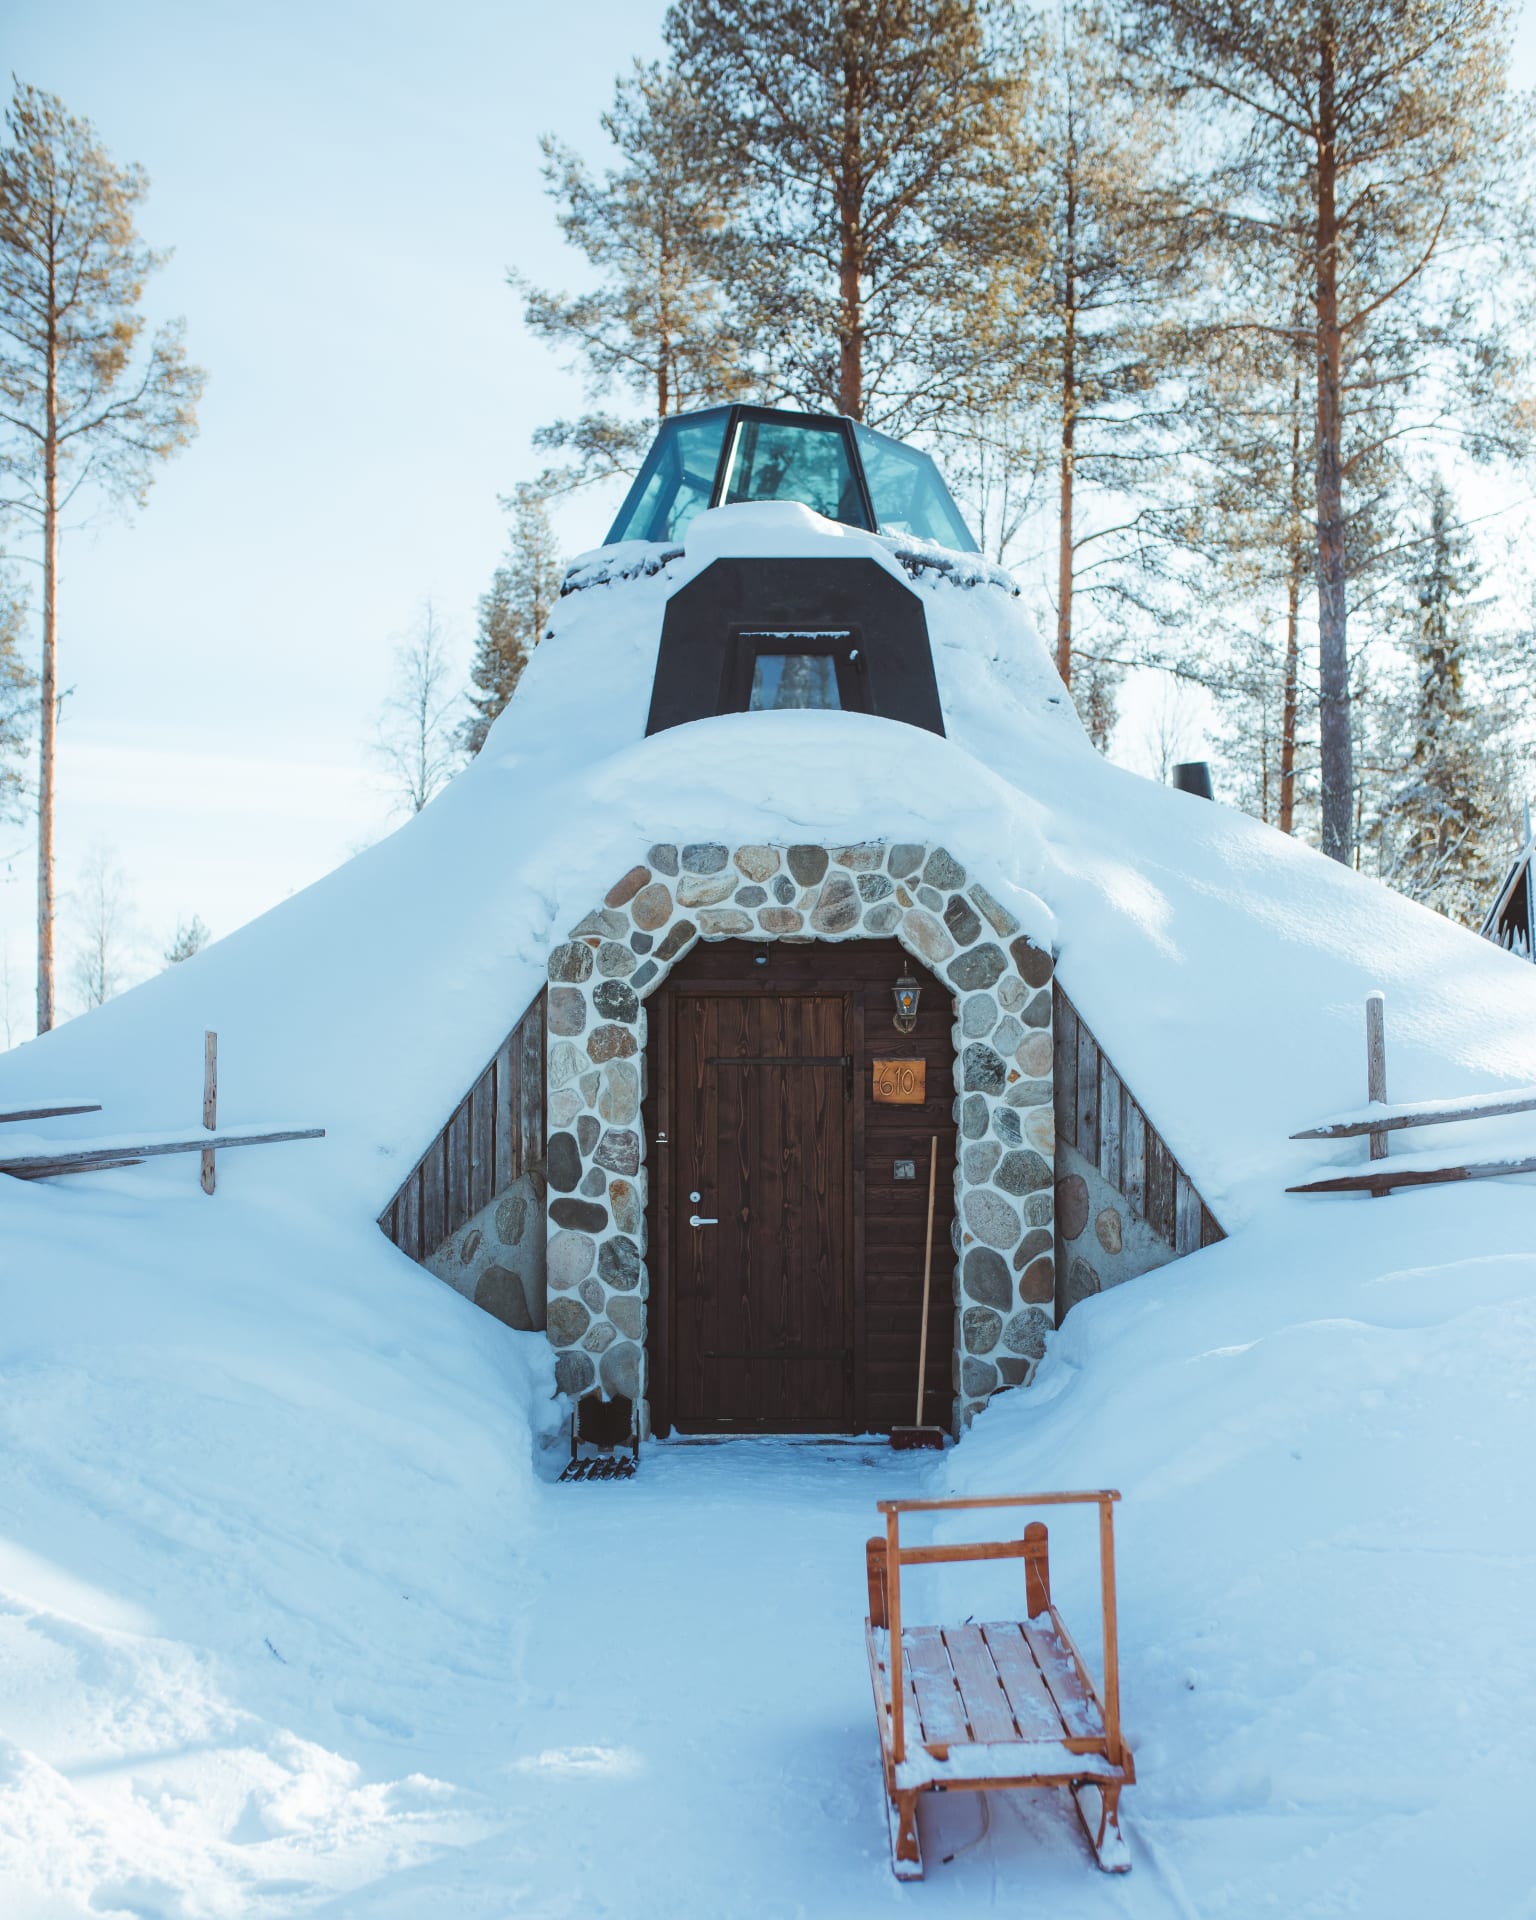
[(1006, 1704)]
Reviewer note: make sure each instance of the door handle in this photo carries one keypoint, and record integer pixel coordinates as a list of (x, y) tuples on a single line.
[(696, 1220)]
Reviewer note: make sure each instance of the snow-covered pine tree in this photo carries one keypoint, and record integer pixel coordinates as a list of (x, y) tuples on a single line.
[(1444, 831), (513, 614)]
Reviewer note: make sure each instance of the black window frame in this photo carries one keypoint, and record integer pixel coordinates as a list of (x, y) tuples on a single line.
[(747, 644)]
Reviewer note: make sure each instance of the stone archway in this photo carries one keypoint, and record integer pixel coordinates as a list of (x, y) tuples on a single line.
[(920, 894)]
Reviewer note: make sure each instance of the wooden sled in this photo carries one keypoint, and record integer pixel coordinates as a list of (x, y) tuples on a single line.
[(1007, 1704)]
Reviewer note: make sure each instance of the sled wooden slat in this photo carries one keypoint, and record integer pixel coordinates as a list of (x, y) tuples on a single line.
[(1029, 1698), (1008, 1704)]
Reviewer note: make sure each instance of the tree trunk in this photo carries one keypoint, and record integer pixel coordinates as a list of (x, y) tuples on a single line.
[(1291, 680), (1068, 420), (1332, 602), (850, 221), (49, 699)]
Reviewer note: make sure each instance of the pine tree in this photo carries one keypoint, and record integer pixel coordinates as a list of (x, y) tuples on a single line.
[(190, 937), (513, 614), (1444, 830), (876, 142), (1368, 149), (655, 228), (79, 405)]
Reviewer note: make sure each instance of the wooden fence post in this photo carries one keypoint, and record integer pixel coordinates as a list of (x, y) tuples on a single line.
[(210, 1101), (1376, 1067)]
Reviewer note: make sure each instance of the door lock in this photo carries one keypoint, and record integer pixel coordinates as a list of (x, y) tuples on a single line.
[(696, 1220)]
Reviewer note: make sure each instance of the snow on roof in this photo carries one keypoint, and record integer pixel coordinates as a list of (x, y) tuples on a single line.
[(1222, 966)]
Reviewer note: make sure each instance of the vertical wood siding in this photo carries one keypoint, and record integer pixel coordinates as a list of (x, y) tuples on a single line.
[(492, 1136), (1099, 1115)]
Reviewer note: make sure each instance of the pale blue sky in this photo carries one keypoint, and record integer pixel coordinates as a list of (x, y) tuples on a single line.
[(344, 186)]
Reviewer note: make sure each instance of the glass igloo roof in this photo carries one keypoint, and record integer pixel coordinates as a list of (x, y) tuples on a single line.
[(837, 467)]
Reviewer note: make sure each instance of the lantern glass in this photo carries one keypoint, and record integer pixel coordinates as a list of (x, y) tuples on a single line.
[(907, 993)]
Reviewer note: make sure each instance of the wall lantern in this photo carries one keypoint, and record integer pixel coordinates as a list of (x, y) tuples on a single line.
[(907, 993)]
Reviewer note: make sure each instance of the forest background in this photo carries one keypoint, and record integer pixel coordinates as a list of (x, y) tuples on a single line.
[(247, 663)]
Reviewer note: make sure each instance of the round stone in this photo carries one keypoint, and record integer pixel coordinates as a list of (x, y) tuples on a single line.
[(568, 1321), (973, 1116), (512, 1219), (618, 1262), (641, 942), (584, 1216), (931, 898), (1109, 1230), (674, 940), (588, 1128), (627, 1312), (705, 889), (1005, 1124), (616, 1000), (1038, 1012), (716, 923), (619, 1151), (979, 1329), (592, 1295), (1038, 1280), (705, 856), (961, 919), (562, 1167), (873, 887), (599, 1336), (929, 937), (982, 1070), (807, 864), (614, 960), (943, 871), (619, 1101), (882, 919), (838, 909), (1033, 1055), (571, 962), (621, 1371), (564, 1107), (904, 859), (978, 1015), (780, 920), (663, 858), (623, 891), (594, 1183), (996, 914), (1082, 1280), (500, 1293), (1012, 992), (978, 1378), (643, 975), (1025, 1333), (989, 1216), (1034, 1243), (984, 1276), (757, 863), (567, 1063), (978, 1160), (1033, 963), (981, 967), (1038, 1209), (624, 1204), (1022, 1172), (567, 1010), (1008, 1035), (864, 857), (750, 896), (1040, 1130), (652, 906), (574, 1373), (610, 1043), (1071, 1206)]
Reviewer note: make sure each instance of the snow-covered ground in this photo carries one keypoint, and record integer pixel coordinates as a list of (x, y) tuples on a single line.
[(291, 1625), (292, 1621)]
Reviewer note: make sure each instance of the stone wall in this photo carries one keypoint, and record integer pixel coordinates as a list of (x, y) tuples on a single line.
[(496, 1258), (1004, 1278), (1101, 1239)]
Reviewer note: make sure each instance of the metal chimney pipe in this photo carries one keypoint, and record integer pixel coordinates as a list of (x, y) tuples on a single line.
[(1194, 776)]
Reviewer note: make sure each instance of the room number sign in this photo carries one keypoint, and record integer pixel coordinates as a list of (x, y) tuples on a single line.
[(901, 1083)]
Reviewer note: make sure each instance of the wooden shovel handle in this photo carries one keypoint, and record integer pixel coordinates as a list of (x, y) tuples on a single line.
[(922, 1350)]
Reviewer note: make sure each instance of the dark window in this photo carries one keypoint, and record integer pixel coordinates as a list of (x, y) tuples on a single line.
[(770, 672), (793, 680), (788, 459)]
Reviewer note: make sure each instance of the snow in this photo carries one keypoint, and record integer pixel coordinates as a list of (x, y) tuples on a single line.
[(292, 1621)]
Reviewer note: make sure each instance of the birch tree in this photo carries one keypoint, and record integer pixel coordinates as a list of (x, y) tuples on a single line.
[(85, 402), (417, 740)]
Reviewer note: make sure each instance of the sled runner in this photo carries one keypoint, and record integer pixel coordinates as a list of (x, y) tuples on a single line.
[(1006, 1704)]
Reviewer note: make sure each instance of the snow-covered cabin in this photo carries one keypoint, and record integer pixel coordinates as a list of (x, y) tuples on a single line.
[(789, 866)]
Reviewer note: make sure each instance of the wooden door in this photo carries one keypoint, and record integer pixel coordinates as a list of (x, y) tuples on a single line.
[(762, 1294)]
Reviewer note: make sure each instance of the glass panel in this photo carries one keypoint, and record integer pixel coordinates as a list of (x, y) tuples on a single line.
[(793, 680), (909, 493), (677, 479), (794, 460)]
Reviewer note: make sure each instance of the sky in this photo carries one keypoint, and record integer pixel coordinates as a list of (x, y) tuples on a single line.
[(345, 188)]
